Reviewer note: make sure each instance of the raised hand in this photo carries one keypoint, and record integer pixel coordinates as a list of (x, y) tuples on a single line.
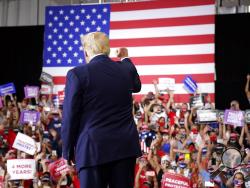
[(122, 52)]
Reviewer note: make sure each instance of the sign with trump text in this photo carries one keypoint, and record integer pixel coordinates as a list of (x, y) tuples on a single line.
[(25, 143), (235, 118), (57, 168), (7, 89), (21, 168), (30, 116), (31, 91), (170, 180)]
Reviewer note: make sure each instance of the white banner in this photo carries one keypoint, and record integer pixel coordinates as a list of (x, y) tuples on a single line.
[(21, 168), (25, 143), (45, 89), (204, 116), (166, 83)]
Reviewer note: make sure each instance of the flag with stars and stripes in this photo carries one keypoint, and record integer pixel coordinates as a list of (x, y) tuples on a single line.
[(165, 39)]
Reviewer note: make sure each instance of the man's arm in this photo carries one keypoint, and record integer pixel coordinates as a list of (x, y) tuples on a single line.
[(122, 53), (247, 87), (136, 78), (71, 112)]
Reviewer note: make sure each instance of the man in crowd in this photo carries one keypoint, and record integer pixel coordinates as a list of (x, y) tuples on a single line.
[(98, 124)]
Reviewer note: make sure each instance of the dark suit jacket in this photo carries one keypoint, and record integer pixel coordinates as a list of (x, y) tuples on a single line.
[(97, 112)]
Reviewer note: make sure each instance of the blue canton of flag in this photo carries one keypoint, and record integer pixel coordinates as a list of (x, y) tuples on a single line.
[(190, 84), (64, 26)]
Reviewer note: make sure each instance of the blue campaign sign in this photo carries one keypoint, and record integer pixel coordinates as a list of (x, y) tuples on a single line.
[(190, 84), (7, 89)]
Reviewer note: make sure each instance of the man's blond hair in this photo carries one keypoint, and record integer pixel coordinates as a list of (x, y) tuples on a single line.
[(96, 43)]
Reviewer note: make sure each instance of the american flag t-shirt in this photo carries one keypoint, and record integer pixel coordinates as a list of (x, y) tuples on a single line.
[(171, 39)]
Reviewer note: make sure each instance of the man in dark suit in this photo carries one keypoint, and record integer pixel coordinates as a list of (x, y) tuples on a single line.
[(98, 125)]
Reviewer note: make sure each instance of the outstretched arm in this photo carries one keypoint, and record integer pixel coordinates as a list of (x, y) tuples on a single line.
[(122, 53), (247, 87)]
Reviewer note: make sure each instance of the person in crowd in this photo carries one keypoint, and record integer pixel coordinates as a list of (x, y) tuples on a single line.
[(237, 180), (150, 180), (247, 91)]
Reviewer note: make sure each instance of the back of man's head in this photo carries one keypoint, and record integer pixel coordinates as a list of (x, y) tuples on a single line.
[(95, 43)]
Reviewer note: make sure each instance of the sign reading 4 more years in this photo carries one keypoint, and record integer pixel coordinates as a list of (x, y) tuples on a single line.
[(21, 168)]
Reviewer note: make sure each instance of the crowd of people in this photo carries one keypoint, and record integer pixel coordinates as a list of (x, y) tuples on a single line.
[(172, 142)]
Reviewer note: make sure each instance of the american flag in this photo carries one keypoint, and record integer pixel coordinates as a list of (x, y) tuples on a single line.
[(165, 39)]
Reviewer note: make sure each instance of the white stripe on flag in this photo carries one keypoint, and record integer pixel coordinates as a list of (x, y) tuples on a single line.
[(203, 29), (179, 88), (172, 50), (175, 69), (163, 13)]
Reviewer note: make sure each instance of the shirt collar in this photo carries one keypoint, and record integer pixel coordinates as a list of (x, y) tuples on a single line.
[(92, 57)]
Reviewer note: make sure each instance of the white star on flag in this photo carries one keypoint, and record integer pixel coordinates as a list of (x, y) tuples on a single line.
[(69, 60), (75, 54), (82, 22), (80, 60)]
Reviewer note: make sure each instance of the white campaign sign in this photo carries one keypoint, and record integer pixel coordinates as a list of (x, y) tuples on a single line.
[(46, 89), (21, 168), (25, 143), (166, 83)]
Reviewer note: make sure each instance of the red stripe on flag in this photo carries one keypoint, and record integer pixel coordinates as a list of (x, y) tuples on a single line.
[(199, 78), (147, 79), (195, 39), (178, 98), (164, 22), (180, 59), (158, 4)]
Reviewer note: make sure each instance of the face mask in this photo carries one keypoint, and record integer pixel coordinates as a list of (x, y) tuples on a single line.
[(161, 124), (238, 182), (194, 131), (158, 111), (204, 151), (213, 138), (183, 135), (166, 147), (183, 109), (182, 165), (210, 170), (232, 141)]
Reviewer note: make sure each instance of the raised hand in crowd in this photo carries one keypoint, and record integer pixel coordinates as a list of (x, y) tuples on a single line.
[(247, 90)]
